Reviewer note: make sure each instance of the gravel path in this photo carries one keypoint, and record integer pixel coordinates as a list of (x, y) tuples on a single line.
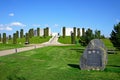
[(52, 42)]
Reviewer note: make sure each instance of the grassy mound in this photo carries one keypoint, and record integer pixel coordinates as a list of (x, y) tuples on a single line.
[(66, 40), (54, 63), (21, 42)]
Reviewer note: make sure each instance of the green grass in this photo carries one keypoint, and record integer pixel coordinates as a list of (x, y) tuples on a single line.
[(66, 40), (10, 46), (36, 40), (54, 63), (107, 43), (21, 42)]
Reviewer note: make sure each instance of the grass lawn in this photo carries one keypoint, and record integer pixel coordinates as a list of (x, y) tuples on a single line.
[(10, 46), (20, 42), (54, 63), (66, 40)]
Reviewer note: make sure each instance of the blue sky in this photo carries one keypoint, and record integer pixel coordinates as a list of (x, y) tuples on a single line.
[(26, 14)]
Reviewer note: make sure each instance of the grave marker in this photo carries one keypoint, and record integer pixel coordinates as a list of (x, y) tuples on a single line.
[(94, 56)]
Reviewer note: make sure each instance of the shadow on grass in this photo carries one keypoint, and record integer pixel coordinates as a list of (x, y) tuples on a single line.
[(114, 66), (74, 66), (78, 50)]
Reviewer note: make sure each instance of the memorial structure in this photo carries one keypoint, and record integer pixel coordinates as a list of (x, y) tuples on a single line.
[(94, 56)]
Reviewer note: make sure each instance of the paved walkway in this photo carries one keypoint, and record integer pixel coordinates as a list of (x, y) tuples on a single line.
[(52, 42)]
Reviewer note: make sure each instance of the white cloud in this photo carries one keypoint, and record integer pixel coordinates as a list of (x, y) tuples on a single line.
[(11, 14), (56, 25), (17, 24), (8, 28), (5, 27)]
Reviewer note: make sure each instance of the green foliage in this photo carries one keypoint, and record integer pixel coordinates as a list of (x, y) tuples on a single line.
[(87, 37), (47, 31), (17, 34), (4, 38), (72, 38), (0, 37), (54, 63), (115, 36), (27, 37), (97, 34), (38, 31), (74, 31), (78, 33), (21, 33), (83, 31), (31, 33), (14, 38), (64, 29), (10, 37)]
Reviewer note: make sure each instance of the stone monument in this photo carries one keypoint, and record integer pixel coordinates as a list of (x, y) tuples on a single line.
[(94, 56)]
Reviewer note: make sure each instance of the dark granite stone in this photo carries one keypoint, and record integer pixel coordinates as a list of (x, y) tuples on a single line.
[(94, 56)]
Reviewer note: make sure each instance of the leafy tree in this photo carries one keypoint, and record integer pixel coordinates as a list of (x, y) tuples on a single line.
[(47, 31), (87, 37), (74, 29), (97, 34), (83, 31), (78, 33), (0, 37), (10, 37), (14, 38), (115, 36), (31, 33), (38, 31), (17, 34), (27, 37), (4, 38), (21, 33), (64, 31), (72, 38)]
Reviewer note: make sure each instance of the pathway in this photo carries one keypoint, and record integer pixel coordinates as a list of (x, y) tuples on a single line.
[(52, 42)]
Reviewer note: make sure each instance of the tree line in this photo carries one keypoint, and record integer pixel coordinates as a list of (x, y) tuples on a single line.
[(85, 37), (27, 36)]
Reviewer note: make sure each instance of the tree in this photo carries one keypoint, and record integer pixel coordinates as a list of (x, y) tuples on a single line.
[(10, 37), (31, 33), (38, 31), (97, 34), (21, 33), (17, 34), (64, 31), (0, 37), (47, 31), (115, 36), (74, 29), (87, 37), (27, 37), (14, 38), (73, 38), (78, 33), (4, 38), (83, 31)]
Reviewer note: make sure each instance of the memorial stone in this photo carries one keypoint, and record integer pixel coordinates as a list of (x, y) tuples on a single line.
[(94, 56)]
